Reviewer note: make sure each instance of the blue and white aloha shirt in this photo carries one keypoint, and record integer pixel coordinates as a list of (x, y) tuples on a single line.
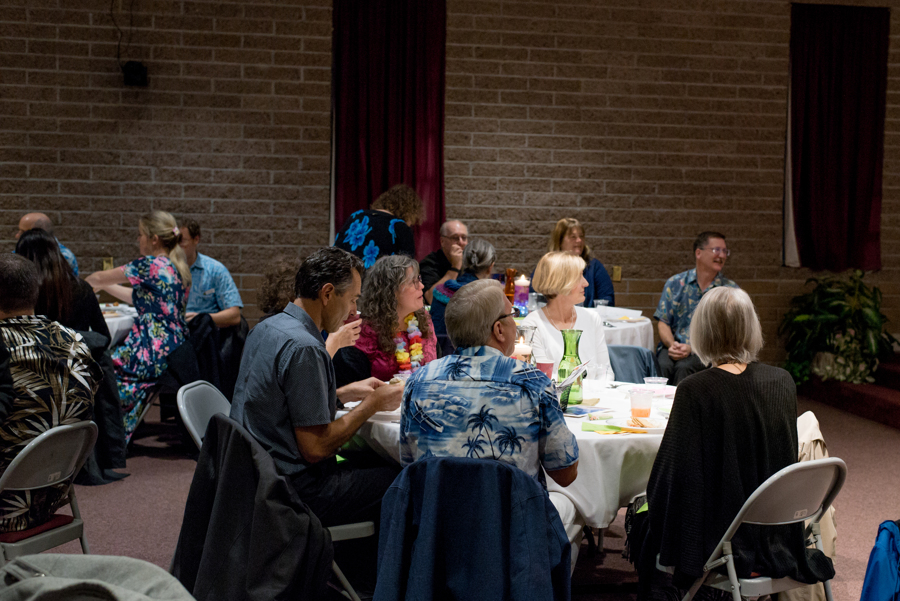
[(480, 403), (212, 287), (679, 300), (370, 235)]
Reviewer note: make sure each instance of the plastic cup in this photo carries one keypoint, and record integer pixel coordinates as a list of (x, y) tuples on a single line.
[(547, 368), (655, 381), (601, 302), (641, 402)]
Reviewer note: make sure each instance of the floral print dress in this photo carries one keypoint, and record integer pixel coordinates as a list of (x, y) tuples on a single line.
[(371, 235), (159, 297)]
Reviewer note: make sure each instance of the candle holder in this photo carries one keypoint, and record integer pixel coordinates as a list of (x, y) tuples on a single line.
[(523, 350)]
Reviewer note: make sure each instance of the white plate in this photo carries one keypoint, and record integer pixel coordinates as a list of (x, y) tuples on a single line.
[(622, 422), (629, 319)]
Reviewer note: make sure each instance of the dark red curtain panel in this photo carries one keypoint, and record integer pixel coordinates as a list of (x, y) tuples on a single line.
[(838, 82), (388, 87)]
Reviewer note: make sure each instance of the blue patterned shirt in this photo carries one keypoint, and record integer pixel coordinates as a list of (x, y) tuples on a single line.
[(679, 299), (212, 289), (480, 403), (69, 256)]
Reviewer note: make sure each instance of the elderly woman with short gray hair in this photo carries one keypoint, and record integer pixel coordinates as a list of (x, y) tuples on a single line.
[(731, 427), (478, 264)]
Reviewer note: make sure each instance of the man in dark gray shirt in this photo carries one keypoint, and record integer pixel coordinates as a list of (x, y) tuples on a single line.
[(286, 398)]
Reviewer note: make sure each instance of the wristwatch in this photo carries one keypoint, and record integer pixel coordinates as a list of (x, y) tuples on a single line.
[(453, 269)]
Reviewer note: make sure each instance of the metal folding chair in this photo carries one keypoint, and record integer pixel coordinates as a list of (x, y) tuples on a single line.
[(52, 458), (197, 403), (799, 492)]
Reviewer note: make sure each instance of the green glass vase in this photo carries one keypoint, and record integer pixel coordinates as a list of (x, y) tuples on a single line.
[(570, 361)]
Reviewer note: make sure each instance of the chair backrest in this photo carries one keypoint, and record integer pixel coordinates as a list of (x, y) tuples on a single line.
[(631, 363), (51, 458), (197, 403), (802, 491)]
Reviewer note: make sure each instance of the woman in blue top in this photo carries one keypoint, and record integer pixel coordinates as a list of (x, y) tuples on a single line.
[(478, 264), (159, 280), (568, 236)]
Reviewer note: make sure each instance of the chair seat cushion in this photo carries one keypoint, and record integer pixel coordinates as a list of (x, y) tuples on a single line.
[(57, 520)]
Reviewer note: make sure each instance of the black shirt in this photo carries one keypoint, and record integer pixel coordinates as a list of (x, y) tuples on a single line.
[(371, 235), (433, 267)]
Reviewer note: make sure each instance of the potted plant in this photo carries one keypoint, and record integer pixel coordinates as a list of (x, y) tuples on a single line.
[(836, 331)]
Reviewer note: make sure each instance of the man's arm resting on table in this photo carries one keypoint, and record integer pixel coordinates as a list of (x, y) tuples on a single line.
[(223, 319), (321, 442), (565, 476)]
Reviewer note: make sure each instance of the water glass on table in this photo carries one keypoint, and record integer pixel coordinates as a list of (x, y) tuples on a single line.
[(641, 401)]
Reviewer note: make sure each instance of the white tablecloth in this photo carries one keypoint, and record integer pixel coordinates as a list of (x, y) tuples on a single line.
[(612, 469), (633, 334), (120, 325)]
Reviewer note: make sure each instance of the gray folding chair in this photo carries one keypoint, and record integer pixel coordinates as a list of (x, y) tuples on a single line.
[(197, 402), (52, 458), (349, 532), (799, 492)]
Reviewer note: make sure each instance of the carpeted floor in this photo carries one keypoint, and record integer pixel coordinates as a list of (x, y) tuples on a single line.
[(140, 516)]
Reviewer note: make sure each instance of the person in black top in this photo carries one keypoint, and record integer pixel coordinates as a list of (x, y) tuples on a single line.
[(63, 296), (384, 229), (731, 428), (444, 263)]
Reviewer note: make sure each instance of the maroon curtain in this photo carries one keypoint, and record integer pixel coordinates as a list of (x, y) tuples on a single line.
[(388, 90), (838, 83)]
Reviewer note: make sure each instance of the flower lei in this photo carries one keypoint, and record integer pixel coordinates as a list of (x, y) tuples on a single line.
[(412, 360)]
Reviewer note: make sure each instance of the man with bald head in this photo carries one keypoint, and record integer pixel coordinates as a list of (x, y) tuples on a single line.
[(39, 221), (444, 263)]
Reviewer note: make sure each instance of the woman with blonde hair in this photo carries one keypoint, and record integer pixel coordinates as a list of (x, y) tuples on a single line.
[(568, 236), (397, 334), (159, 282), (385, 228), (559, 277)]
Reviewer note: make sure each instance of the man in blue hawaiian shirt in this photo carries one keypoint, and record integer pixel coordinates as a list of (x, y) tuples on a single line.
[(480, 402), (679, 298), (212, 287), (39, 221)]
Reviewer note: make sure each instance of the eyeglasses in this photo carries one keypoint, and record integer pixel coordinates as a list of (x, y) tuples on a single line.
[(515, 313), (457, 238), (719, 251)]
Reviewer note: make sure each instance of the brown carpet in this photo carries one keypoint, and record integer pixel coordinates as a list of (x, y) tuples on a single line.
[(140, 516)]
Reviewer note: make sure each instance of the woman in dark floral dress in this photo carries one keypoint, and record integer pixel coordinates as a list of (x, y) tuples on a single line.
[(159, 283), (384, 229)]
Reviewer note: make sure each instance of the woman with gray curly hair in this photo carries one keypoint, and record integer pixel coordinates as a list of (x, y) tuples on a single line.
[(397, 335)]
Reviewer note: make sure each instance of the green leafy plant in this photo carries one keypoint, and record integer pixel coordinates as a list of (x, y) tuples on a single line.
[(836, 331)]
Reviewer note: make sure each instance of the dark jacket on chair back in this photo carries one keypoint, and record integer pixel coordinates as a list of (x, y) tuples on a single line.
[(458, 528), (246, 535)]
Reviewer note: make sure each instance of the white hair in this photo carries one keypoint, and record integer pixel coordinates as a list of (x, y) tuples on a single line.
[(725, 327)]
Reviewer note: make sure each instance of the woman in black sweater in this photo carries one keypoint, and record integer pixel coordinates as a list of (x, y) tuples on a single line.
[(731, 428), (64, 297)]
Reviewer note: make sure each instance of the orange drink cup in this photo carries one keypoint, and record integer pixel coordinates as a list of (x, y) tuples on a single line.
[(641, 401)]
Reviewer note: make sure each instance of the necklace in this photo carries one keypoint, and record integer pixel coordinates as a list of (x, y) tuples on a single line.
[(412, 360), (733, 368), (573, 319)]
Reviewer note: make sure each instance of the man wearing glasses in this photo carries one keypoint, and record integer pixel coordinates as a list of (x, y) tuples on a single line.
[(679, 299), (444, 263)]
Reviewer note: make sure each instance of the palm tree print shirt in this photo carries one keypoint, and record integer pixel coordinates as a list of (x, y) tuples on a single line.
[(54, 381), (480, 403)]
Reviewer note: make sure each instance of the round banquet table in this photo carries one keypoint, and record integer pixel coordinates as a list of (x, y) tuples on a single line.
[(612, 468), (639, 333), (120, 324)]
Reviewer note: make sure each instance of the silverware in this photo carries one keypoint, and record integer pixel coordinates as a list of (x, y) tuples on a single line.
[(615, 385), (608, 325)]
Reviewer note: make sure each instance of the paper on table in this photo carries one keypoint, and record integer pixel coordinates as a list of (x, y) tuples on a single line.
[(573, 376)]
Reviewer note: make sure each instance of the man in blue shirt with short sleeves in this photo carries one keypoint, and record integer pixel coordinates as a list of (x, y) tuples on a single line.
[(482, 403), (39, 221), (676, 307), (212, 288), (286, 398)]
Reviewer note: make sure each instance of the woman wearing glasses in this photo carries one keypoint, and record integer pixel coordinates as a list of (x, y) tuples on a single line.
[(559, 277), (397, 335)]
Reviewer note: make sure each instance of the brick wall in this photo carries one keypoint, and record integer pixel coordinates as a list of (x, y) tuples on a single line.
[(233, 130), (649, 121)]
